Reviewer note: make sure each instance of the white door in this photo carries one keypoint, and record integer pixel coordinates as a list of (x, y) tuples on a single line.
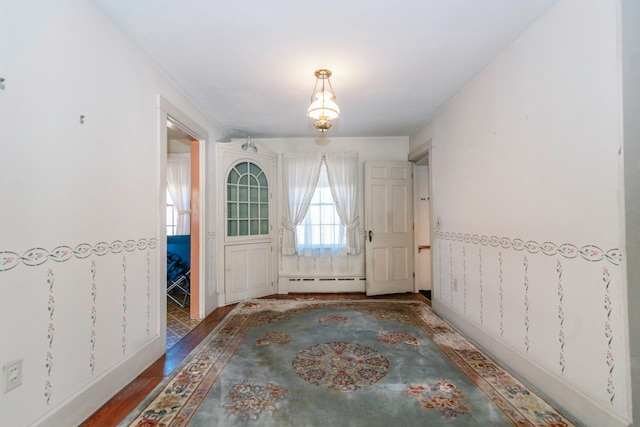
[(246, 188), (389, 227)]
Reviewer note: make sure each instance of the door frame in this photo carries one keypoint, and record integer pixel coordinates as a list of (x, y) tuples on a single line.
[(201, 300), (417, 156)]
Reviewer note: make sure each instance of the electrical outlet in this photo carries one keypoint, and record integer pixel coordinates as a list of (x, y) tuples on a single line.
[(12, 375)]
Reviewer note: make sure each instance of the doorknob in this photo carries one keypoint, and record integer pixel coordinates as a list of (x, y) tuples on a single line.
[(370, 235)]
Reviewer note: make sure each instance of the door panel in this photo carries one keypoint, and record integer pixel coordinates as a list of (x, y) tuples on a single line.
[(379, 264), (389, 224), (248, 271), (400, 264), (399, 211), (379, 216)]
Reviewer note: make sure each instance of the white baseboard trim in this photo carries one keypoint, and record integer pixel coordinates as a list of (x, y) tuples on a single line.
[(89, 399), (572, 402)]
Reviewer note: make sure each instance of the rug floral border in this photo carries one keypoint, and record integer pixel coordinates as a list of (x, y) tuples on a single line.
[(178, 399)]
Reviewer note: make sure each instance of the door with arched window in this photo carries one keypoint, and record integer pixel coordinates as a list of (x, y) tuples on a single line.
[(247, 212)]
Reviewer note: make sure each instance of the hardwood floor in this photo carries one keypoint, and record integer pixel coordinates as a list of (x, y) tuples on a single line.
[(116, 409)]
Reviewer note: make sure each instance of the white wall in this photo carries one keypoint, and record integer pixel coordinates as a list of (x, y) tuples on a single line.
[(81, 232), (378, 148), (630, 17), (527, 198)]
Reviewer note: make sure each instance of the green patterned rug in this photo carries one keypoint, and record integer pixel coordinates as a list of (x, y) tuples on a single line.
[(340, 363)]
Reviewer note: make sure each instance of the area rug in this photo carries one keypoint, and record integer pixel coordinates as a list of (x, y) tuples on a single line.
[(340, 363)]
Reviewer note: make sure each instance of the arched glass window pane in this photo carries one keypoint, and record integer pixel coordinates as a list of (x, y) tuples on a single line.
[(247, 201), (233, 176), (242, 168)]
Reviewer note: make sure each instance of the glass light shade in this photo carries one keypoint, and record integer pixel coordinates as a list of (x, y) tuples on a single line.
[(323, 106)]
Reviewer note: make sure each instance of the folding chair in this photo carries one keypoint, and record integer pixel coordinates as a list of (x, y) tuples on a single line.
[(178, 268), (177, 278)]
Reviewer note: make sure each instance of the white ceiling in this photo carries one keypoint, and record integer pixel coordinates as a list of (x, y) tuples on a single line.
[(249, 64)]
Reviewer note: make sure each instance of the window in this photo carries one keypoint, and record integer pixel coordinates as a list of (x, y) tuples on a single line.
[(321, 230), (325, 226), (172, 217), (247, 201)]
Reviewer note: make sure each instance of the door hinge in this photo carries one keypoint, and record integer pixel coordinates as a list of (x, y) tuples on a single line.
[(414, 274)]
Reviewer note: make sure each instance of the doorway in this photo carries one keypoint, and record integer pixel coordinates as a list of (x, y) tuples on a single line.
[(183, 224), (422, 217)]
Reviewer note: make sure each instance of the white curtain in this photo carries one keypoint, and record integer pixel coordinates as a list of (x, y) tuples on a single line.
[(179, 186), (299, 178), (342, 169)]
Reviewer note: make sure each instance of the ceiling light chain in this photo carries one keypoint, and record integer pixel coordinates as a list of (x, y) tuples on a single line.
[(323, 107)]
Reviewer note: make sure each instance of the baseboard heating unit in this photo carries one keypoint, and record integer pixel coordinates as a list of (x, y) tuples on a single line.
[(321, 284)]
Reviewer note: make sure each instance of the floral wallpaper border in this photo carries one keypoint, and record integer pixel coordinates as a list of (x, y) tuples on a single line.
[(38, 256), (589, 252)]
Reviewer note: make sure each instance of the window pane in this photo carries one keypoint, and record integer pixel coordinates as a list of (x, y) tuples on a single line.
[(171, 221), (264, 195), (253, 212), (264, 227), (314, 214), (242, 168), (232, 192), (233, 210), (233, 228), (327, 214), (262, 179), (253, 181), (244, 180), (255, 169), (244, 228), (327, 236), (233, 177), (264, 211), (254, 226), (243, 194), (244, 210), (253, 194)]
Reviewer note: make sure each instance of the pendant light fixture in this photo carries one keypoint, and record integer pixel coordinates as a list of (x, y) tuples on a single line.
[(323, 107)]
